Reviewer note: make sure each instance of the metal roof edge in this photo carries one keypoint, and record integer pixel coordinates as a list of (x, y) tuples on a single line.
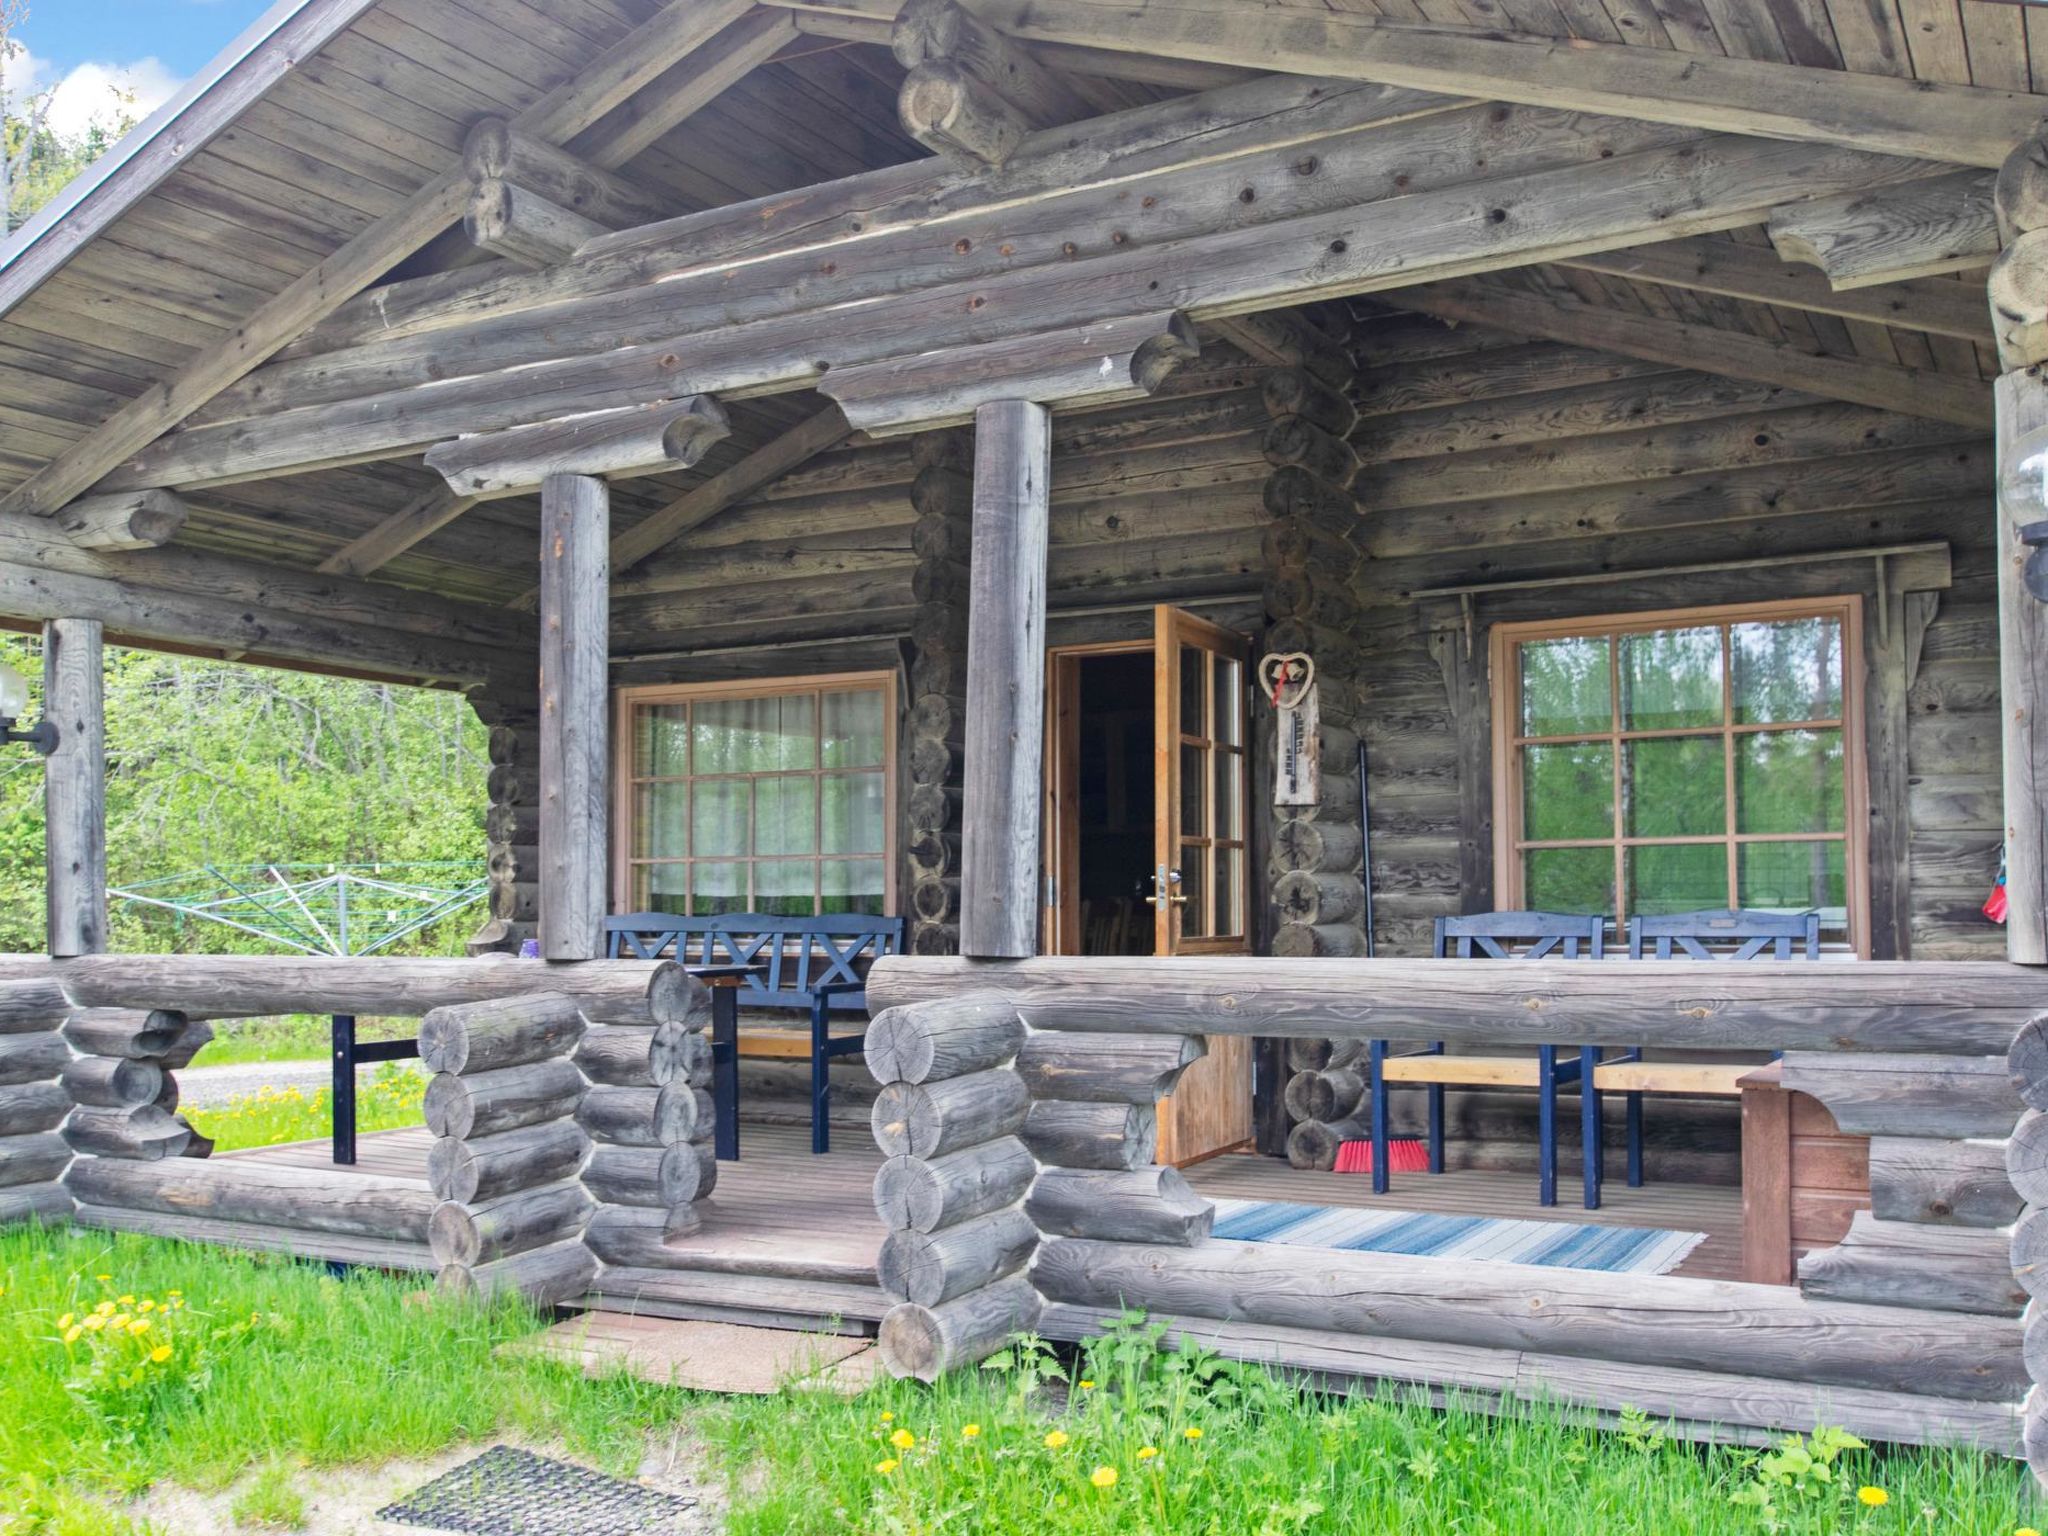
[(210, 101)]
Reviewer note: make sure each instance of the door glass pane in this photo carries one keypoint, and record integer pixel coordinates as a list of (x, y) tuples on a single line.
[(1565, 687), (1671, 678), (1789, 781), (852, 730), (1569, 879), (1793, 877), (1229, 890), (852, 812), (785, 815), (718, 816), (716, 888), (852, 885), (1686, 877), (661, 888), (1229, 794), (1788, 671), (1194, 921), (1568, 791), (1193, 692), (1194, 774), (1229, 702), (756, 735), (1675, 786), (661, 741), (660, 821), (786, 887)]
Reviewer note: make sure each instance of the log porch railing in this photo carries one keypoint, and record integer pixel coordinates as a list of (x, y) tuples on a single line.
[(566, 1100), (1910, 1330)]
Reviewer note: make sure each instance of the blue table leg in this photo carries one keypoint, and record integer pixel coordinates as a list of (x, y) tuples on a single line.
[(1635, 1141), (725, 1071), (342, 1097), (1376, 1091), (1546, 1125), (821, 1078), (1592, 1129), (1436, 1120)]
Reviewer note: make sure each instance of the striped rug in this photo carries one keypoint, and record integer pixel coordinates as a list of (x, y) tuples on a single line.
[(1556, 1244)]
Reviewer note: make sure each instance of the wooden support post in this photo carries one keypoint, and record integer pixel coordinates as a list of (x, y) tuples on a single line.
[(574, 619), (75, 787), (1005, 725)]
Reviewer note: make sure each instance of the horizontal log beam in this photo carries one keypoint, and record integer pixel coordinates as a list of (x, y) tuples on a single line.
[(622, 444), (1762, 277), (129, 520), (422, 517), (1888, 386), (508, 220), (1965, 125), (499, 150), (1890, 1006), (1885, 236)]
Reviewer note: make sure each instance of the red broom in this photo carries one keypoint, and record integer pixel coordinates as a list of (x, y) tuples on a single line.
[(1404, 1155)]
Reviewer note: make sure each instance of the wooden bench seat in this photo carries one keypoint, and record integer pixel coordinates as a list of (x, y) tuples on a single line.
[(781, 1044), (1720, 1080)]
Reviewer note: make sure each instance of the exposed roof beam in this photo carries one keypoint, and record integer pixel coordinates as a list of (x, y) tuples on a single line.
[(1965, 125), (1911, 391), (426, 514), (641, 57), (1745, 272), (1944, 224)]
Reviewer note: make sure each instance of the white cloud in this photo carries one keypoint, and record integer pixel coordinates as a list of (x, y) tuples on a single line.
[(94, 91)]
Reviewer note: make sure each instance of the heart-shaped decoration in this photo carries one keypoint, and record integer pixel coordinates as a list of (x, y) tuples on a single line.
[(1286, 677)]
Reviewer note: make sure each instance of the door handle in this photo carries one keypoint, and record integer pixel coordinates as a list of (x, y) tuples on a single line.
[(1166, 889)]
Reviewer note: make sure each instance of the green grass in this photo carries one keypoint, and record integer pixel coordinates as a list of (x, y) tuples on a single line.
[(387, 1100), (277, 1368), (288, 1037)]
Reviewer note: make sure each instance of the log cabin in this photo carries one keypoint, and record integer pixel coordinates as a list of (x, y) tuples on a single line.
[(1170, 499)]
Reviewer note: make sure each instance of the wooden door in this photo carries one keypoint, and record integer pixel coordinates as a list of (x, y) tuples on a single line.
[(1201, 893)]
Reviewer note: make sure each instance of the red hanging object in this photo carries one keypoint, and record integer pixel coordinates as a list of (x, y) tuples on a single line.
[(1997, 904)]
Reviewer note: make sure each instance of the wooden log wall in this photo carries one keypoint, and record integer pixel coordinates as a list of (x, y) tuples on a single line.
[(34, 1060), (943, 497), (952, 1191), (511, 819)]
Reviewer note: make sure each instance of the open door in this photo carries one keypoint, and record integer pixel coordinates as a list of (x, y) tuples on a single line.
[(1201, 878)]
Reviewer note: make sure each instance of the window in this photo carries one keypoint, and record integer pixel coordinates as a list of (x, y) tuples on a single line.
[(1684, 761), (762, 797)]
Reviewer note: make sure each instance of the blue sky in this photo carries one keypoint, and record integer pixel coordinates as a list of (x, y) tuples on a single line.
[(85, 48)]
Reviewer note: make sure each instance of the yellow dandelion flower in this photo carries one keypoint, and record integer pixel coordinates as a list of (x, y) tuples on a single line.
[(903, 1440), (127, 1301), (1192, 1433), (1056, 1439), (1103, 1477), (147, 1305), (161, 1353), (95, 1323), (140, 1326), (103, 1279), (887, 1466), (1872, 1498), (121, 1320), (2026, 1530), (1087, 1385), (1147, 1452), (970, 1432), (104, 1309), (71, 1334), (888, 1417), (65, 1321), (174, 1293)]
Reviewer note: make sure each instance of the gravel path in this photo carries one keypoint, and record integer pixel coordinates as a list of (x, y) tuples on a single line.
[(211, 1087)]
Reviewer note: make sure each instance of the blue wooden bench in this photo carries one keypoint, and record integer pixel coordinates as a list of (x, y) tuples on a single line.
[(813, 965)]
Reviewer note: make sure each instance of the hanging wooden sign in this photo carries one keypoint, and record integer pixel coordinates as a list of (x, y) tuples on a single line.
[(1289, 681)]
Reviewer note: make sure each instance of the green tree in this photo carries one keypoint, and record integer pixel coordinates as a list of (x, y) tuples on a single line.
[(35, 160)]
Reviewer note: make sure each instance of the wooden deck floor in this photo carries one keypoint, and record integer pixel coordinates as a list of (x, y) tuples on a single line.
[(780, 1212)]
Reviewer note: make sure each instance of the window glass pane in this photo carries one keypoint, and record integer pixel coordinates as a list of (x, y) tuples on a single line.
[(661, 888), (1796, 877), (1193, 691), (661, 740), (1789, 781), (785, 815), (1686, 877), (786, 887), (1228, 701), (1788, 671), (755, 735), (718, 816), (1671, 678), (1194, 920), (1229, 890), (1568, 879), (1229, 794), (1565, 687), (853, 885), (1194, 772), (716, 888), (660, 821), (853, 812), (1675, 786), (1568, 791), (852, 730)]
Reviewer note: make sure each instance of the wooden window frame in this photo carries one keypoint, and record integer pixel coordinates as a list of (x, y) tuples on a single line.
[(1503, 640), (626, 701)]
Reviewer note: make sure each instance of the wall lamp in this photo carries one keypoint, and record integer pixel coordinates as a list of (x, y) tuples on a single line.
[(13, 701)]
